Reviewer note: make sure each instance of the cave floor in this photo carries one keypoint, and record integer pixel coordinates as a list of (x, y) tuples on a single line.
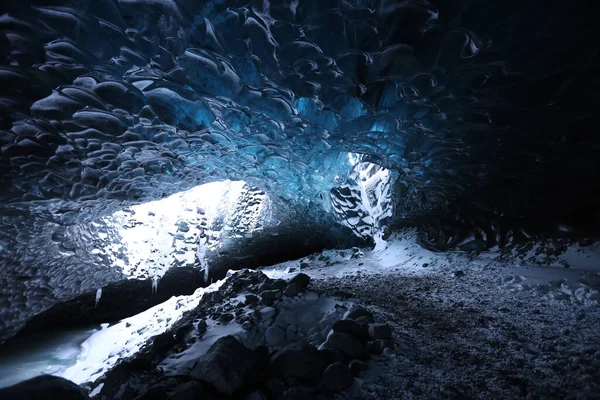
[(471, 326)]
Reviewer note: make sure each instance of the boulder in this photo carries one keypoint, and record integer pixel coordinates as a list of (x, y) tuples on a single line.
[(357, 366), (274, 336), (226, 365), (345, 343), (43, 388), (380, 331), (302, 280), (187, 391), (356, 312), (337, 377), (299, 360), (300, 393)]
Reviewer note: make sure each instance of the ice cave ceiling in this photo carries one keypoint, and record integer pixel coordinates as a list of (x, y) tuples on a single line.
[(482, 110)]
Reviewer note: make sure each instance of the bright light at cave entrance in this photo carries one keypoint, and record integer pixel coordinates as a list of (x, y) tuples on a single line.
[(178, 230)]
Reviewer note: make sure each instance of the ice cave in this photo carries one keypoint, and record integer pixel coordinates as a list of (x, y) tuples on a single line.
[(299, 199)]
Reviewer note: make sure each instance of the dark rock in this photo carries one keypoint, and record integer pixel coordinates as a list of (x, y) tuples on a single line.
[(337, 377), (182, 332), (266, 313), (163, 342), (300, 360), (226, 365), (187, 391), (292, 290), (202, 326), (304, 265), (44, 387), (274, 387), (120, 380), (350, 327), (300, 393), (251, 300), (356, 312), (357, 366), (257, 395), (158, 391), (425, 265), (302, 280), (225, 318), (269, 296), (346, 343), (274, 336), (364, 320), (459, 273), (247, 325), (278, 284), (380, 331)]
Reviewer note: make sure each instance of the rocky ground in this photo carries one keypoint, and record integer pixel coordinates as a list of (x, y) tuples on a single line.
[(254, 338), (399, 323), (473, 327)]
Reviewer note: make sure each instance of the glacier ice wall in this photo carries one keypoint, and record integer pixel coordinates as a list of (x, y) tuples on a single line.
[(483, 110)]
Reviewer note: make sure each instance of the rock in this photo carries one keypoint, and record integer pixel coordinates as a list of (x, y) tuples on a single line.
[(302, 280), (274, 336), (269, 296), (163, 342), (304, 265), (292, 290), (251, 300), (247, 325), (299, 360), (202, 326), (459, 273), (225, 318), (225, 365), (356, 312), (157, 391), (187, 391), (266, 313), (182, 332), (291, 332), (299, 393), (43, 388), (425, 265), (345, 343), (291, 269), (337, 377), (364, 320), (357, 366), (278, 284), (350, 327), (380, 331), (258, 395), (274, 387)]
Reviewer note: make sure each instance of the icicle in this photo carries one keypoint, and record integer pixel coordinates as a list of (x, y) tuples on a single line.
[(154, 284), (98, 296)]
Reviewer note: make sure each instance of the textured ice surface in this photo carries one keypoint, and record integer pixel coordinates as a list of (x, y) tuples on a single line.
[(51, 262), (483, 110)]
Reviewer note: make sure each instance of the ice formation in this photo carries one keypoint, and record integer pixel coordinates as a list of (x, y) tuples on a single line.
[(470, 121)]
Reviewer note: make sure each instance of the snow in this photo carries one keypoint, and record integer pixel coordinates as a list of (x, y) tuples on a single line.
[(102, 350)]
